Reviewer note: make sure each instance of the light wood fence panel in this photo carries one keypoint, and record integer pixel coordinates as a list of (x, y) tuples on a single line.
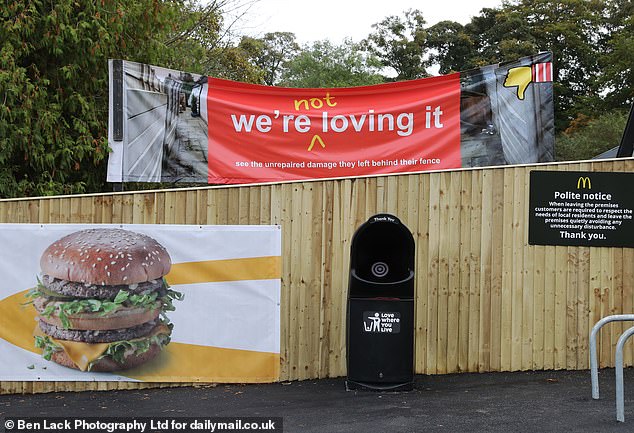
[(485, 299)]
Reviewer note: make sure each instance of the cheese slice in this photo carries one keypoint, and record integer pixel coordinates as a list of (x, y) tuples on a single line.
[(83, 354)]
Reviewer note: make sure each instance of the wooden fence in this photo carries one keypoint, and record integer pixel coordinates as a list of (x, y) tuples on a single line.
[(485, 299)]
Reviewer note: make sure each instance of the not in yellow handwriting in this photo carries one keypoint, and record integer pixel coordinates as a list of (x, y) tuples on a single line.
[(315, 103)]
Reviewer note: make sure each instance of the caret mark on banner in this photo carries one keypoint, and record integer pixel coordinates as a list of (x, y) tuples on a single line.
[(273, 134)]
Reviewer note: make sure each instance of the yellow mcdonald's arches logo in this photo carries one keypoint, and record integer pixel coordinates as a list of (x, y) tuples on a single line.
[(584, 182)]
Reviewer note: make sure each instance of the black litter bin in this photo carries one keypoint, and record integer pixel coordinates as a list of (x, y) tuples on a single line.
[(380, 320)]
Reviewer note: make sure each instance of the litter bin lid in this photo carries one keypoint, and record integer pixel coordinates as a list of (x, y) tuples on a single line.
[(382, 250)]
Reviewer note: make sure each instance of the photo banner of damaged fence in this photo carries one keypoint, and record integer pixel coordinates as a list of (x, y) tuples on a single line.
[(173, 126)]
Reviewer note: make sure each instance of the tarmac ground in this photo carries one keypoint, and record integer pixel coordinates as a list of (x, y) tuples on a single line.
[(541, 401)]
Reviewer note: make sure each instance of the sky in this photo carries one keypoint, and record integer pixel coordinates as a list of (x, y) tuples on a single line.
[(337, 19)]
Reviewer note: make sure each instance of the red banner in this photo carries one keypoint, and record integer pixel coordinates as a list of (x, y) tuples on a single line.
[(261, 134), (174, 126)]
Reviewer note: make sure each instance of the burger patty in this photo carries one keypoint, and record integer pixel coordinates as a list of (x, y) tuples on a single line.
[(98, 336), (95, 291)]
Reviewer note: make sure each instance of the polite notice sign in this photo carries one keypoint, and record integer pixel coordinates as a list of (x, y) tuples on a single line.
[(581, 209)]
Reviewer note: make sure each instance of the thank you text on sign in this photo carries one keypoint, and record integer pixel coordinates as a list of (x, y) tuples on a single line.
[(581, 209)]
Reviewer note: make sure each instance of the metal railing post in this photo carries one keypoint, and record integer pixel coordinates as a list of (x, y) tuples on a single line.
[(618, 361), (594, 367)]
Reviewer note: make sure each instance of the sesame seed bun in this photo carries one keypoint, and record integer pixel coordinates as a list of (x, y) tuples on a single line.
[(106, 256)]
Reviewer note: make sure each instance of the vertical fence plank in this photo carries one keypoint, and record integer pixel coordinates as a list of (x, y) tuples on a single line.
[(627, 278), (244, 200), (339, 281), (138, 208), (327, 286), (443, 273), (433, 273), (507, 274), (527, 278), (550, 288), (539, 299), (475, 270), (584, 297), (44, 216), (497, 243), (295, 286), (486, 221), (453, 287), (517, 266), (422, 272), (465, 269), (613, 299), (191, 206)]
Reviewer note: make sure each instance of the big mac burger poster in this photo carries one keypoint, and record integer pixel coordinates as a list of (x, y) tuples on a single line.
[(155, 303)]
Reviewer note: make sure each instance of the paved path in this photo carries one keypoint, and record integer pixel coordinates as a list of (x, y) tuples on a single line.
[(496, 402), (188, 162)]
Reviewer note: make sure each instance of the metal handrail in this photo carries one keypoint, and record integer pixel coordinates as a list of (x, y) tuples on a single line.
[(594, 369), (618, 361)]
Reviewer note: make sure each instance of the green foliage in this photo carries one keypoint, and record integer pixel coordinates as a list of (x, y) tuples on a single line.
[(65, 308), (570, 29), (400, 43), (617, 62), (591, 42), (451, 47), (592, 137), (326, 65), (271, 54), (53, 82), (198, 42), (54, 79)]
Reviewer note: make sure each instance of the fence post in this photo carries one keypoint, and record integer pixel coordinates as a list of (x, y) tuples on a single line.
[(594, 367), (618, 361)]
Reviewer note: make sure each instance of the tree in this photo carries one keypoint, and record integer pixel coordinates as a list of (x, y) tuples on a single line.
[(571, 29), (498, 36), (271, 53), (587, 137), (326, 65), (400, 43), (54, 79), (617, 60), (451, 47), (52, 128), (202, 42)]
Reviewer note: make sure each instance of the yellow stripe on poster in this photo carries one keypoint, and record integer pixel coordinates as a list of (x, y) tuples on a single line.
[(179, 362), (253, 268), (193, 363)]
